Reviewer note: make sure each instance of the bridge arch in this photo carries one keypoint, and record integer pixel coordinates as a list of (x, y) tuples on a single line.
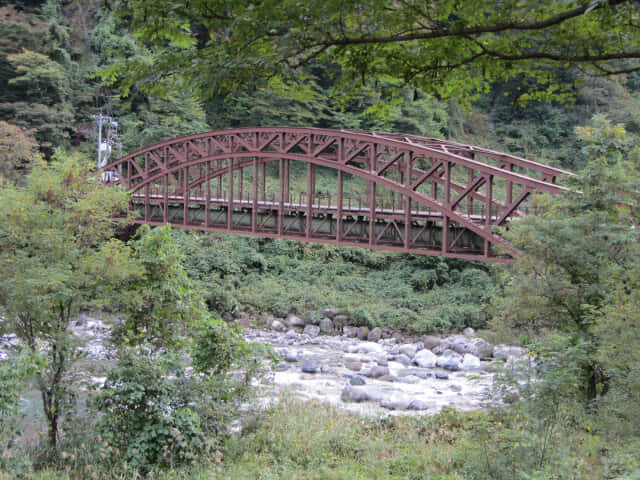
[(442, 198)]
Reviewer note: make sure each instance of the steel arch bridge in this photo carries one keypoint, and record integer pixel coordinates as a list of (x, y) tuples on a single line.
[(368, 189)]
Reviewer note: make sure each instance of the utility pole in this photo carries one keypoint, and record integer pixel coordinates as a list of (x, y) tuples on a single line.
[(104, 147)]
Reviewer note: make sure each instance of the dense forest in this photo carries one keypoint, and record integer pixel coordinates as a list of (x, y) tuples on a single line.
[(175, 298)]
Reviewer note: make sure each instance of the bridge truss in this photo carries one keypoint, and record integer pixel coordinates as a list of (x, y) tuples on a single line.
[(369, 189)]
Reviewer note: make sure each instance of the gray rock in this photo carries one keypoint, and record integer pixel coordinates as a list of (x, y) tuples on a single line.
[(388, 378), (451, 364), (370, 347), (291, 356), (442, 376), (311, 365), (351, 394), (290, 334), (329, 312), (325, 369), (349, 331), (312, 330), (425, 359), (382, 362), (408, 349), (294, 321), (374, 335), (417, 404), (357, 380), (504, 352), (340, 321), (377, 371), (387, 332), (278, 326), (403, 359), (442, 347), (396, 402), (468, 332), (353, 365), (326, 325), (423, 374), (455, 388), (409, 379), (363, 333), (470, 361), (431, 341), (281, 367)]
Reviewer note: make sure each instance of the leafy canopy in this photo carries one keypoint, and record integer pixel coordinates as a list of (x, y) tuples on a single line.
[(444, 47)]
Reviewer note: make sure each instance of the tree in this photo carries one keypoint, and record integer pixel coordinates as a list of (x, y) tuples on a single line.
[(57, 256), (17, 151), (443, 47), (571, 250)]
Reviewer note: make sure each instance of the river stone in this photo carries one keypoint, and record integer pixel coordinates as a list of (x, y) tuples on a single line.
[(382, 362), (311, 330), (408, 349), (311, 365), (377, 371), (455, 388), (291, 333), (431, 341), (349, 331), (357, 380), (363, 333), (505, 352), (354, 365), (370, 347), (374, 335), (417, 404), (409, 379), (470, 361), (442, 376), (340, 321), (388, 378), (291, 356), (468, 332), (425, 359), (294, 321), (418, 372), (403, 359), (451, 364), (396, 402), (281, 367), (351, 394), (278, 326), (326, 325)]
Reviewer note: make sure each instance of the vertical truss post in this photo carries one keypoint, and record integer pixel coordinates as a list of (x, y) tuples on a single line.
[(240, 183), (230, 195), (407, 204), (446, 201), (254, 208), (509, 187), (470, 196), (219, 192), (281, 174), (185, 195), (339, 213), (287, 167), (165, 198), (489, 207), (310, 193), (207, 195), (263, 181)]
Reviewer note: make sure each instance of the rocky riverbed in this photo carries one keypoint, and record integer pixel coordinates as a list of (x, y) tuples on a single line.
[(372, 372), (362, 371)]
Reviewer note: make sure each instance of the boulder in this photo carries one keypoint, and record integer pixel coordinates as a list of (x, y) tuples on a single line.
[(363, 333), (281, 367), (291, 356), (354, 365), (410, 379), (442, 376), (349, 331), (294, 321), (451, 364), (370, 347), (408, 349), (403, 359), (425, 359), (311, 365), (470, 362), (326, 325), (351, 394), (312, 330), (278, 326), (431, 341), (417, 404), (291, 333), (468, 332), (374, 335), (377, 371), (396, 402), (357, 380), (505, 352), (340, 321)]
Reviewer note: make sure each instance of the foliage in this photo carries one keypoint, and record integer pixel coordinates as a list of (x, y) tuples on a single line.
[(444, 47), (56, 257), (17, 151)]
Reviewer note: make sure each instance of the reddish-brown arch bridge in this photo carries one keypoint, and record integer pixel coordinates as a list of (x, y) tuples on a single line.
[(369, 189)]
